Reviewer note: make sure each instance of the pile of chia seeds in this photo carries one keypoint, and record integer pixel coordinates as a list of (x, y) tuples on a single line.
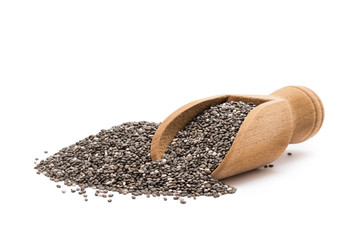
[(118, 159)]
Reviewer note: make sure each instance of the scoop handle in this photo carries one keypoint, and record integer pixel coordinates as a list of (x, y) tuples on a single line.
[(307, 111)]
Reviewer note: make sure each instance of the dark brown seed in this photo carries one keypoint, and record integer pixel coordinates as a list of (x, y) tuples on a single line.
[(265, 166), (63, 191), (289, 153), (176, 197), (109, 200), (165, 199), (58, 186), (271, 165), (90, 162), (85, 195), (182, 201), (36, 159), (133, 197), (85, 199), (111, 195), (45, 151), (104, 196), (73, 190)]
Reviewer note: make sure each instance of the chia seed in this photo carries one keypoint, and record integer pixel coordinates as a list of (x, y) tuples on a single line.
[(118, 159)]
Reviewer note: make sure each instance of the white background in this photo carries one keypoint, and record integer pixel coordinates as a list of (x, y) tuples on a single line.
[(71, 68)]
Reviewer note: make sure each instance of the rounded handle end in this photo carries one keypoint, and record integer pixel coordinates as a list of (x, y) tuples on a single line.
[(307, 111)]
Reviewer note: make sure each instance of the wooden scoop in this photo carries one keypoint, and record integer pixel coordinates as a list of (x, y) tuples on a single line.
[(289, 115)]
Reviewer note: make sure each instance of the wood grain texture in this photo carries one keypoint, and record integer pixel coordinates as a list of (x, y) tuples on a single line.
[(307, 111), (261, 139), (289, 115)]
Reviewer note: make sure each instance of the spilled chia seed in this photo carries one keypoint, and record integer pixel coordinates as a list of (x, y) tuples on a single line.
[(118, 159)]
